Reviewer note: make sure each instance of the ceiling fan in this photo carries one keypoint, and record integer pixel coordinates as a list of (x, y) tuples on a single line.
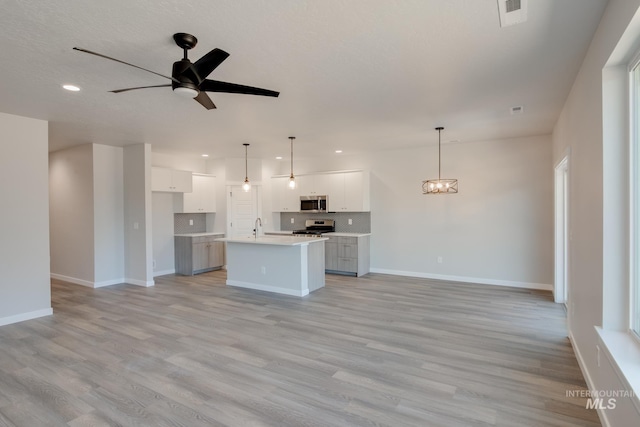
[(190, 79)]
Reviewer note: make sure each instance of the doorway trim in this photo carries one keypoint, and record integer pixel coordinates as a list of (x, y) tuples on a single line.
[(561, 230), (230, 188)]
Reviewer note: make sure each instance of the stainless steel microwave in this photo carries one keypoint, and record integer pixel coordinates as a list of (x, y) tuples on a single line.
[(313, 203)]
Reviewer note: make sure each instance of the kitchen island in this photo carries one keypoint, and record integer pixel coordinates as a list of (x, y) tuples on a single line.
[(287, 265)]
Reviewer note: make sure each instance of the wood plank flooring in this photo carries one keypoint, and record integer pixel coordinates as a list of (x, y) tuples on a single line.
[(377, 350)]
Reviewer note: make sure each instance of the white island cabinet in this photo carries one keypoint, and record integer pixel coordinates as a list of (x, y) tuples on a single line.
[(282, 264)]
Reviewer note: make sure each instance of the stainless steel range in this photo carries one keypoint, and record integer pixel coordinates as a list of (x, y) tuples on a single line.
[(315, 227)]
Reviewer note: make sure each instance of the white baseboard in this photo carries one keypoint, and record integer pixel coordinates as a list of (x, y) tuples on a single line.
[(163, 272), (137, 282), (25, 316), (87, 283), (275, 289), (526, 285), (108, 283), (587, 377)]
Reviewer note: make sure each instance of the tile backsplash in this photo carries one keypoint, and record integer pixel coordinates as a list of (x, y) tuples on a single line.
[(181, 223), (360, 221)]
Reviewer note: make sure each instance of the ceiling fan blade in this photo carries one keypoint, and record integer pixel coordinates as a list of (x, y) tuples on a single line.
[(125, 63), (134, 88), (205, 101), (216, 86), (205, 65)]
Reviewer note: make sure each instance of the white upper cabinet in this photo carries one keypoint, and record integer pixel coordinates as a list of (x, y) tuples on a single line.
[(349, 192), (284, 198), (345, 191), (171, 180), (203, 197), (313, 185)]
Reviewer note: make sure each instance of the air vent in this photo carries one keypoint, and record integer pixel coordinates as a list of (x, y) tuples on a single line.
[(512, 12), (517, 110), (513, 5)]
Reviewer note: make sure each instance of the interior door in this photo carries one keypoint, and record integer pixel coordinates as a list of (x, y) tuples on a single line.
[(243, 211)]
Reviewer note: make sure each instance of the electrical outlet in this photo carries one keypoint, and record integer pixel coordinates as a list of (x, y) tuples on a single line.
[(350, 221), (190, 222), (154, 263), (439, 260), (292, 220), (263, 270), (136, 225)]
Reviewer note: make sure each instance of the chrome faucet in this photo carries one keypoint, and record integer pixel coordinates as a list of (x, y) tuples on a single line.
[(255, 230)]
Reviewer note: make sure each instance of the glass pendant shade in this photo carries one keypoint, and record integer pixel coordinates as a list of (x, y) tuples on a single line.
[(440, 185), (246, 186)]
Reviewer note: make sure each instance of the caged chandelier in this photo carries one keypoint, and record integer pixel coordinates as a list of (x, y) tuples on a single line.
[(440, 185)]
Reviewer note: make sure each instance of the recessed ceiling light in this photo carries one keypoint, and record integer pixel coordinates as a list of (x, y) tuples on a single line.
[(279, 158), (338, 151), (72, 88), (205, 155)]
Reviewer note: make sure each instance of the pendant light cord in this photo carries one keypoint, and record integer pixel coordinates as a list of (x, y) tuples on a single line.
[(439, 129), (246, 168)]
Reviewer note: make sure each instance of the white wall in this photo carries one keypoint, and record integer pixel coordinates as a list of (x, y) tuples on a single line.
[(108, 202), (594, 149), (25, 290), (138, 215), (498, 229), (72, 214), (86, 215), (163, 239)]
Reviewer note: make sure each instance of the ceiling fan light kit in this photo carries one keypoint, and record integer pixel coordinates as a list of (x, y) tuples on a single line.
[(440, 185), (190, 79)]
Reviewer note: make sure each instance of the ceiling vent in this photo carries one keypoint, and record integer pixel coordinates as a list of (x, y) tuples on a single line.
[(517, 110), (512, 12)]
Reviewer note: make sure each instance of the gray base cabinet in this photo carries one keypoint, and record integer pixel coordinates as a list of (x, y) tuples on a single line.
[(347, 255), (195, 255)]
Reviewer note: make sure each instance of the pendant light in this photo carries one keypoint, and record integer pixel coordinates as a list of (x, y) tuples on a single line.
[(292, 179), (440, 185), (246, 186)]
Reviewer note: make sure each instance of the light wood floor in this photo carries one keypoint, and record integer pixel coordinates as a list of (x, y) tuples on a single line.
[(372, 351)]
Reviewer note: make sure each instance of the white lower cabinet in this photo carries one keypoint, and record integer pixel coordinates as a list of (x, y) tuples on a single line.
[(347, 255)]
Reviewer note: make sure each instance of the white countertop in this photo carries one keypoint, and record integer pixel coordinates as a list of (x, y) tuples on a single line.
[(199, 234), (273, 240), (333, 233), (341, 234)]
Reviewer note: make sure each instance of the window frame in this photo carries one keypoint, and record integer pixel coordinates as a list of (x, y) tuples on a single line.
[(634, 196)]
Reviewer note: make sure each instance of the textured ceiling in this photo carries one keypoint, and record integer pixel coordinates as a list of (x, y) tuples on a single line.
[(353, 74)]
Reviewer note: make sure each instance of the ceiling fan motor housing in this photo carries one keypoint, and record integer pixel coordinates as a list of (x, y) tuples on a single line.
[(185, 79)]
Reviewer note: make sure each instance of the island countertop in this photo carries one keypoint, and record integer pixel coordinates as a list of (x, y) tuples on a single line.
[(273, 240), (202, 234)]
